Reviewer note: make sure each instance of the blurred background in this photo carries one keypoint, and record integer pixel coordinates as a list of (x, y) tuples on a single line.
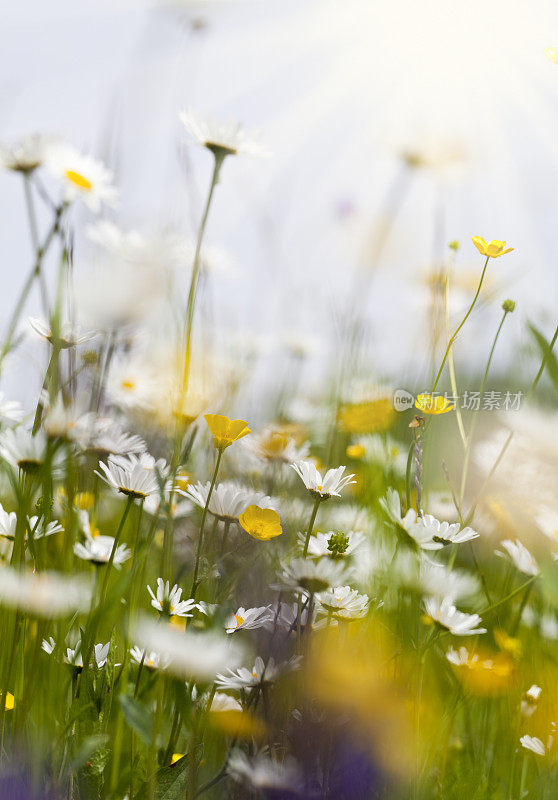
[(395, 128)]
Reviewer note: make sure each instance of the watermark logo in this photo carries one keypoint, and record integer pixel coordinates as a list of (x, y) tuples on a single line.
[(402, 400), (468, 401)]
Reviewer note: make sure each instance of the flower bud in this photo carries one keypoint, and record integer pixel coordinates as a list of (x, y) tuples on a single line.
[(508, 306)]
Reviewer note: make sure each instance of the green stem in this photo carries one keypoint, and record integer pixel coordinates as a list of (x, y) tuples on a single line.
[(461, 324), (194, 280), (475, 416), (202, 526), (311, 525)]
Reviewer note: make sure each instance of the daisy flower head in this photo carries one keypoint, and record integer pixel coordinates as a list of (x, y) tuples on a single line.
[(168, 601), (74, 655), (428, 529), (104, 437), (520, 556), (391, 505), (149, 658), (276, 446), (11, 412), (187, 653), (266, 775), (447, 615), (134, 476), (68, 335), (25, 155), (221, 138), (228, 499), (98, 549), (225, 431), (533, 744), (261, 523), (322, 488), (23, 450), (309, 576), (46, 594), (8, 523), (492, 249), (342, 602), (261, 673), (530, 700), (248, 619), (82, 177), (332, 544)]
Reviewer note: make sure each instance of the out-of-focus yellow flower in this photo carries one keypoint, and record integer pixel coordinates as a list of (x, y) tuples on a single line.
[(552, 54), (176, 757), (433, 404), (491, 249), (356, 451), (226, 431), (10, 701), (483, 672), (373, 416), (261, 523), (238, 724), (82, 500), (508, 644)]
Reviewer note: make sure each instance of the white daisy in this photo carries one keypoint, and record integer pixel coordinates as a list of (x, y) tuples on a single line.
[(443, 533), (132, 384), (8, 523), (328, 544), (149, 658), (97, 549), (248, 619), (222, 138), (103, 437), (69, 334), (21, 449), (260, 674), (11, 412), (324, 487), (533, 744), (273, 446), (309, 576), (530, 700), (447, 615), (224, 702), (27, 154), (82, 177), (266, 775), (228, 499), (46, 594), (437, 580), (189, 654), (134, 476), (520, 556), (100, 654), (168, 601), (342, 602), (391, 504)]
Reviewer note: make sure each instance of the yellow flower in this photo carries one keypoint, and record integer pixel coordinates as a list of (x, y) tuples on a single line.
[(10, 701), (176, 757), (551, 53), (429, 404), (261, 523), (356, 451), (226, 431), (373, 416), (491, 249)]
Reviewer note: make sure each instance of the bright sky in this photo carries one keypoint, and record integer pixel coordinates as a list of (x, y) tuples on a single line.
[(338, 88)]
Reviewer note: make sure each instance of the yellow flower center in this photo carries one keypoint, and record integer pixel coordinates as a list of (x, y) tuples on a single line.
[(239, 620), (128, 385), (78, 179)]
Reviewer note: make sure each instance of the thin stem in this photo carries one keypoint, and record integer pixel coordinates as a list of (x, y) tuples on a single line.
[(461, 324), (311, 525), (202, 526), (194, 280), (475, 415)]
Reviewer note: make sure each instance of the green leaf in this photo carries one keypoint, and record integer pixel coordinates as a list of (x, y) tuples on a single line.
[(87, 750), (550, 362), (171, 782), (137, 717)]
